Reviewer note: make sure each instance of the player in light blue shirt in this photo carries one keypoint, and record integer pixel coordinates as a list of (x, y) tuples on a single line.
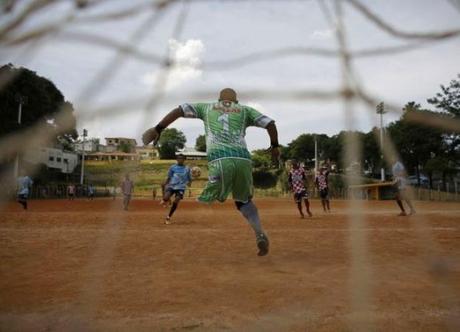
[(179, 177), (24, 185)]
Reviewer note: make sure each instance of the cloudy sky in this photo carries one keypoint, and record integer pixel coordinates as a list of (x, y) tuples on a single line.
[(203, 36)]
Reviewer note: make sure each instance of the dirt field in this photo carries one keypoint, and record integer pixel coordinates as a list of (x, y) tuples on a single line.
[(90, 266)]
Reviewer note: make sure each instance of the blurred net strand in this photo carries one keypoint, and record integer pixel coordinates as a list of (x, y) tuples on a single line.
[(101, 261), (455, 4), (372, 17), (431, 257), (434, 263), (101, 41), (360, 271), (117, 15), (33, 7), (79, 36), (159, 86)]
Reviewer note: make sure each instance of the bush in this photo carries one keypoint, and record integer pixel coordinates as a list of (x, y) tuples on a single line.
[(264, 179)]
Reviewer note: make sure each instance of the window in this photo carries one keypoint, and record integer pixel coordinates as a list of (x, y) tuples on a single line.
[(58, 159), (51, 158), (66, 161)]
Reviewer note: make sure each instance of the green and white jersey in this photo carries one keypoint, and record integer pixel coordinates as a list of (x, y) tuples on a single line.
[(225, 126)]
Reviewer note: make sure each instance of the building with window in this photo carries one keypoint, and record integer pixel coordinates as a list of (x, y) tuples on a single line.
[(111, 156), (147, 153), (118, 142), (64, 161)]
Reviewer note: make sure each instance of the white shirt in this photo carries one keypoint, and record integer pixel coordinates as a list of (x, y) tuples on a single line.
[(399, 171)]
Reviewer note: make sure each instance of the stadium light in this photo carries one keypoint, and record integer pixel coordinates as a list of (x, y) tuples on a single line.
[(82, 174), (381, 110), (22, 100)]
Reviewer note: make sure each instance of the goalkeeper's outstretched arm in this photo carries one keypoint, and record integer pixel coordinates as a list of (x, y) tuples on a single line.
[(153, 134)]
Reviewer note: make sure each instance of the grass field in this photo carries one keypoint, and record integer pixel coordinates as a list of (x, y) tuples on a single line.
[(90, 266), (145, 174)]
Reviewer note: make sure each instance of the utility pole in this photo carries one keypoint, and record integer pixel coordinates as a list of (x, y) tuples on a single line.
[(381, 110), (82, 175), (22, 100), (316, 155)]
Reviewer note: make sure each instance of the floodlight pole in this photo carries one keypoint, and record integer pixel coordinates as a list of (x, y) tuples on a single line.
[(22, 101), (381, 110), (316, 156), (82, 174)]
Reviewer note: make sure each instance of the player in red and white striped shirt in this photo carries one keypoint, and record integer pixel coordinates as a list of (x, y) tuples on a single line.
[(297, 179)]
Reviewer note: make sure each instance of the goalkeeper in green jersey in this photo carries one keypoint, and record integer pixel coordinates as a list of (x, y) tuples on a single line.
[(230, 165)]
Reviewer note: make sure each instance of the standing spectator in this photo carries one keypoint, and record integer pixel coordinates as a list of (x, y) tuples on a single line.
[(71, 191), (24, 186), (90, 192), (127, 188)]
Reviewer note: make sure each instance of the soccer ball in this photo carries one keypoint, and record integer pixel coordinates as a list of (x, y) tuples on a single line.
[(196, 171)]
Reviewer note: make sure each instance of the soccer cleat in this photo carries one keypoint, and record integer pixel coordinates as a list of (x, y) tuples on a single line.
[(168, 220), (262, 244)]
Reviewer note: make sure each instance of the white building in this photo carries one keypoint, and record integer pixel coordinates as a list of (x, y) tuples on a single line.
[(88, 146), (192, 154), (53, 158)]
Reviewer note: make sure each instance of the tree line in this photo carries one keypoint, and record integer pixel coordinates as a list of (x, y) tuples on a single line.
[(424, 149)]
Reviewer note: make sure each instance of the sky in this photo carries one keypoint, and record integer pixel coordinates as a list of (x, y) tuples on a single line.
[(202, 33)]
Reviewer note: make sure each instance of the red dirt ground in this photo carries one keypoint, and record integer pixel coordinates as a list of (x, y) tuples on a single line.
[(90, 266)]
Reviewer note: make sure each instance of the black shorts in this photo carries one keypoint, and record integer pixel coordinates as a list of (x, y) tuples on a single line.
[(300, 195), (176, 192), (324, 193)]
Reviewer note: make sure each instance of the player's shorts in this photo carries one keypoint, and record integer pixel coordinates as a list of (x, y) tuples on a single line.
[(324, 193), (300, 195), (176, 192), (229, 175), (22, 197)]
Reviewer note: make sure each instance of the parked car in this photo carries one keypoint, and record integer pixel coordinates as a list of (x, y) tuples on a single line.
[(424, 181)]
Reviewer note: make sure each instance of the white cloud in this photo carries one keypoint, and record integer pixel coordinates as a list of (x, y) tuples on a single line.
[(186, 58)]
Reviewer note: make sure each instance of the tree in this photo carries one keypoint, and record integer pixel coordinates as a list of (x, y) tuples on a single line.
[(126, 147), (261, 159), (302, 148), (371, 151), (200, 144), (448, 102), (415, 142), (170, 141), (42, 103)]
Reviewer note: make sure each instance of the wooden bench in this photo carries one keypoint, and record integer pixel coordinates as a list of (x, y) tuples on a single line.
[(371, 191)]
